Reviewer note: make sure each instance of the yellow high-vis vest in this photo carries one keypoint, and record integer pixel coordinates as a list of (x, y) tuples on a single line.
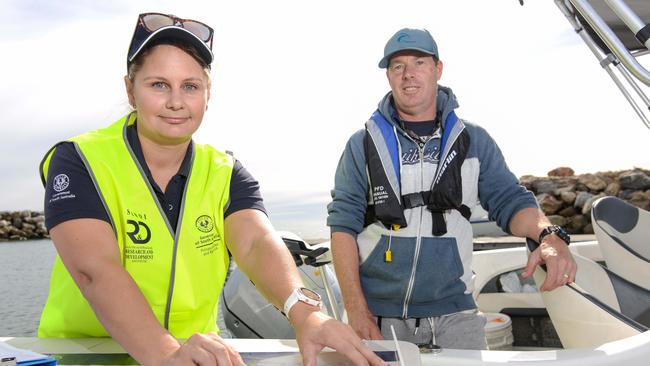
[(181, 276)]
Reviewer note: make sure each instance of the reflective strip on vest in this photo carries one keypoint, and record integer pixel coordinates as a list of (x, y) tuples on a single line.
[(180, 275)]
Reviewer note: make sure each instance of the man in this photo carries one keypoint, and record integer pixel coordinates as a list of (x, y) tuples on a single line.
[(404, 190)]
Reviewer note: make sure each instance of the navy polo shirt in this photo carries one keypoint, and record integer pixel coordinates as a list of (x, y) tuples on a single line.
[(82, 199), (424, 128)]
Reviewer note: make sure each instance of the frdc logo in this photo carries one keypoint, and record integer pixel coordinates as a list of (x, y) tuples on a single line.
[(205, 223), (136, 236)]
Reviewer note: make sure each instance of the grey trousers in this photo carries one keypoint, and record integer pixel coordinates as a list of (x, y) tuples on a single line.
[(463, 330)]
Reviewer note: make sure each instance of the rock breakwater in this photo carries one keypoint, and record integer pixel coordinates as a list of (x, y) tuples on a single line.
[(22, 225), (567, 198)]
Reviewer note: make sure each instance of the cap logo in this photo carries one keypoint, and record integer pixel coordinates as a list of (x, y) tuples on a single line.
[(405, 38)]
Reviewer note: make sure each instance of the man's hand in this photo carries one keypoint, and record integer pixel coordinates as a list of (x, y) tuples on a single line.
[(561, 268), (363, 323), (315, 330), (204, 349)]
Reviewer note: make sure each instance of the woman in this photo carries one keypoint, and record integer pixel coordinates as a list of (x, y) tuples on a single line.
[(143, 219)]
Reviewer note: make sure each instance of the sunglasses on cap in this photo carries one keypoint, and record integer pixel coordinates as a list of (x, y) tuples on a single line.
[(152, 26)]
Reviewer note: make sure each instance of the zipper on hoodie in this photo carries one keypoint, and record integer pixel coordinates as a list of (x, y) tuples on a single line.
[(418, 239)]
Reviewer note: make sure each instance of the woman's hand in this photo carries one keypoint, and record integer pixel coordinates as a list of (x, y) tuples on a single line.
[(204, 349), (315, 330)]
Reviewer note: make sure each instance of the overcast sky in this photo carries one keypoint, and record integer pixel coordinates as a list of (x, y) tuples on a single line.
[(293, 79)]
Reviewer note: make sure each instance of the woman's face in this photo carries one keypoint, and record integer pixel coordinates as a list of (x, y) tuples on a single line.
[(170, 93)]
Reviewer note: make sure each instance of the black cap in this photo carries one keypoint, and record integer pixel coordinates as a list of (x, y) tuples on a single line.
[(142, 37)]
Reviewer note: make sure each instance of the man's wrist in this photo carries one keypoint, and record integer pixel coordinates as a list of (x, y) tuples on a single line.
[(299, 313), (554, 230), (358, 310)]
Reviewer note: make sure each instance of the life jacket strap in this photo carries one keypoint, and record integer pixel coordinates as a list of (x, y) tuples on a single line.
[(418, 199), (438, 223)]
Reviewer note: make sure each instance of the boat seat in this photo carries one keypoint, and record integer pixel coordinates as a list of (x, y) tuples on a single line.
[(599, 307), (623, 233)]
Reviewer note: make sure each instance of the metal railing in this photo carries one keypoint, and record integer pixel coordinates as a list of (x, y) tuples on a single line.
[(621, 57)]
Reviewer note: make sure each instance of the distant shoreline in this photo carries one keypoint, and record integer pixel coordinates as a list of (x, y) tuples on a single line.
[(565, 198), (22, 225), (30, 225)]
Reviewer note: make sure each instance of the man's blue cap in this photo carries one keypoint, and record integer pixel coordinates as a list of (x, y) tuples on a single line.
[(409, 39)]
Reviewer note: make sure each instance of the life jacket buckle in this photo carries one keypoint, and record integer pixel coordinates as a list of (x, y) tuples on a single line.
[(413, 200)]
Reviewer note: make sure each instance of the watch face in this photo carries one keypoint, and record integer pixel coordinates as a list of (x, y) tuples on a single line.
[(310, 294)]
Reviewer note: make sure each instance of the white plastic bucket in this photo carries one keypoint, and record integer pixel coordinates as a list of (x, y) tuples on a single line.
[(498, 331)]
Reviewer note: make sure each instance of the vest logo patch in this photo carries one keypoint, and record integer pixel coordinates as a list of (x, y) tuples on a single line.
[(140, 232), (205, 223), (209, 239)]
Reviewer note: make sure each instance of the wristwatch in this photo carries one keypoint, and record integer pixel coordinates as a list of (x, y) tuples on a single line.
[(303, 294), (557, 230)]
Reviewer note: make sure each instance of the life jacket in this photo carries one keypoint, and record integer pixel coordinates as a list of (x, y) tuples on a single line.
[(180, 273), (387, 203)]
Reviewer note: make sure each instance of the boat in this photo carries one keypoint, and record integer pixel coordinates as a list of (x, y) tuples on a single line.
[(601, 318), (498, 289)]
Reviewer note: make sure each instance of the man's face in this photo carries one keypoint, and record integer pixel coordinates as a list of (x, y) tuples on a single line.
[(413, 76)]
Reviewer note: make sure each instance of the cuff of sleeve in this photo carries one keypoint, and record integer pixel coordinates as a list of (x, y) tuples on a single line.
[(528, 205), (343, 229), (256, 206)]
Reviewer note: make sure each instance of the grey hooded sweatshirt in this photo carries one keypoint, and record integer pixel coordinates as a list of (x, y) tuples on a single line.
[(428, 275)]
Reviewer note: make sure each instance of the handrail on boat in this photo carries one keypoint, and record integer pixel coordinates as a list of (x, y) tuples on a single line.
[(610, 38), (624, 60)]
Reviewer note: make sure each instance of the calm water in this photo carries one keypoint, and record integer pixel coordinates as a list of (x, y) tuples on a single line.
[(24, 278)]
